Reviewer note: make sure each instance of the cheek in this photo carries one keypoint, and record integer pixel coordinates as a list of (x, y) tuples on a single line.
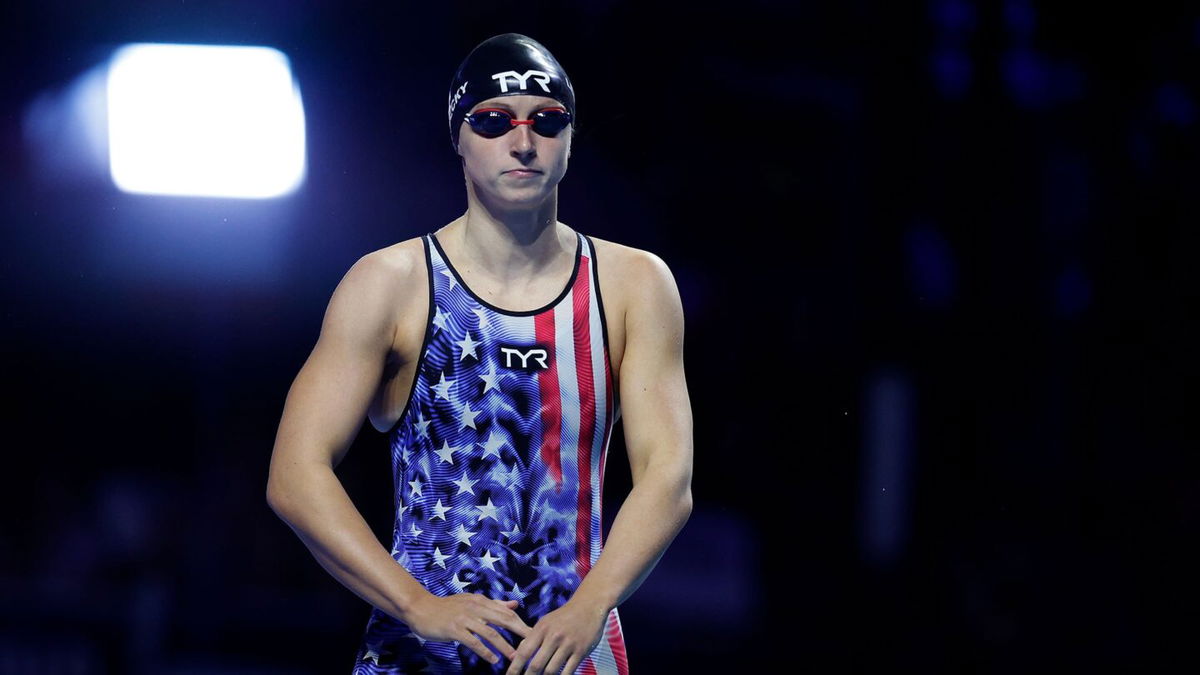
[(472, 160)]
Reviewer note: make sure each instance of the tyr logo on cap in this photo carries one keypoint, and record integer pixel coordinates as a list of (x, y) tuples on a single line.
[(541, 77)]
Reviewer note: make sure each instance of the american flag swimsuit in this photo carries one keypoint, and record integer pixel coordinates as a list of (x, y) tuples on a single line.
[(498, 462)]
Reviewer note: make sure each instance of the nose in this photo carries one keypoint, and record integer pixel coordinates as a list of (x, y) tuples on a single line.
[(522, 140)]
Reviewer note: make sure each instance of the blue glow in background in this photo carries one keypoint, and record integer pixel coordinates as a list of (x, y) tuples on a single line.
[(944, 249)]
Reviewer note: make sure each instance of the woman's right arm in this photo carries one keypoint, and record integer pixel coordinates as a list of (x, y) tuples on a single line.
[(322, 415)]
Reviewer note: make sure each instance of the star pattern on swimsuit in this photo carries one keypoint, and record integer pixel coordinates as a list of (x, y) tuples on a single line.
[(513, 532), (468, 347), (446, 452), (494, 442), (422, 425), (440, 318), (440, 510), (482, 511), (490, 379), (459, 585), (465, 484), (443, 387), (468, 416), (488, 560), (487, 511), (464, 535), (505, 475)]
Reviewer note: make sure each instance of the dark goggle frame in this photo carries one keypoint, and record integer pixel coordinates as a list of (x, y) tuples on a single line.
[(495, 122)]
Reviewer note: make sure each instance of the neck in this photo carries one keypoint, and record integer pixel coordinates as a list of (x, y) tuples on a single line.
[(511, 244)]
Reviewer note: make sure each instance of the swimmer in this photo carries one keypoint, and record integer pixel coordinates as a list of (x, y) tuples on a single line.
[(496, 352)]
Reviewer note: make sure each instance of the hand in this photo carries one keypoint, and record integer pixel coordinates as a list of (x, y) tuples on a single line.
[(563, 637), (463, 617)]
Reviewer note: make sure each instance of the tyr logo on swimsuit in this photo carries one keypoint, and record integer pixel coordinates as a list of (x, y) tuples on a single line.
[(536, 354), (539, 76)]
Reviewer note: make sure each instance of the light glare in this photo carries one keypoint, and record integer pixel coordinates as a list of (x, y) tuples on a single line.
[(204, 120)]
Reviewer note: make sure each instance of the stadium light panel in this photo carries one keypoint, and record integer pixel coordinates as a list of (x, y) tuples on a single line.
[(204, 120)]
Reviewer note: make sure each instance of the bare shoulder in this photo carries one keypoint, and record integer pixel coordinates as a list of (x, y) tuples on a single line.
[(633, 270), (401, 270), (397, 270), (377, 296), (627, 260), (400, 260)]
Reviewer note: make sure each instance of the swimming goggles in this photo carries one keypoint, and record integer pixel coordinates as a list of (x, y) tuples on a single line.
[(494, 122)]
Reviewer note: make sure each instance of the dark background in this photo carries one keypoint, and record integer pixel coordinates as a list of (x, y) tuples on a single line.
[(935, 262)]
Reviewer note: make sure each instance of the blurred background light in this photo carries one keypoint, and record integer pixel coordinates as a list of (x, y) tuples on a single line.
[(204, 120), (884, 490), (931, 267)]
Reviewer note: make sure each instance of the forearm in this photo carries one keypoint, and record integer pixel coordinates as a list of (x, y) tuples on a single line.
[(313, 502), (652, 515)]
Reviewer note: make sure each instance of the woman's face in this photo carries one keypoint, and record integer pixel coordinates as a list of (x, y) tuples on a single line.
[(489, 163)]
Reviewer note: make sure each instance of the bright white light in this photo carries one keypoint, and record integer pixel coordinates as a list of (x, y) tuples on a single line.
[(204, 120)]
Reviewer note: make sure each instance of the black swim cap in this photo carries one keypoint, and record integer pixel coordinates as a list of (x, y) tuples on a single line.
[(506, 65)]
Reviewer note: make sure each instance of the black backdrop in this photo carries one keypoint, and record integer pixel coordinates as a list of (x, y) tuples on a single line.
[(942, 248)]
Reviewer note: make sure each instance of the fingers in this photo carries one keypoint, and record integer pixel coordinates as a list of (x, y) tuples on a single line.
[(468, 638), (514, 624), (493, 636), (508, 618), (556, 663), (528, 650), (477, 632), (547, 659)]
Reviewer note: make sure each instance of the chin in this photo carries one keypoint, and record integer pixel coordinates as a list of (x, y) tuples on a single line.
[(524, 199)]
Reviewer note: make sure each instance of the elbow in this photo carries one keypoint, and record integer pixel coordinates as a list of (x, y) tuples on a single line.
[(273, 499), (290, 488), (681, 487), (683, 498), (673, 486), (284, 508), (277, 497), (284, 479)]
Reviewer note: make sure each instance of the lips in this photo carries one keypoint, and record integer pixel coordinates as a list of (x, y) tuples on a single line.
[(522, 171)]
